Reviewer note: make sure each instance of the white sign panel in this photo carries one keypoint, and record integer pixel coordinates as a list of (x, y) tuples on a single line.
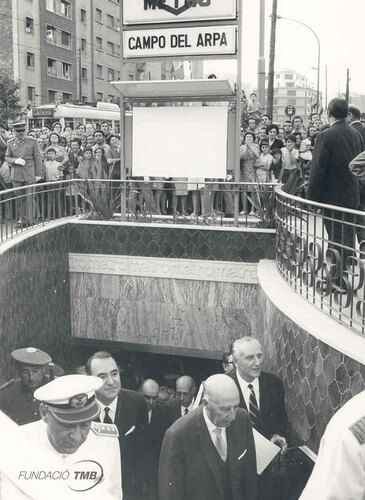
[(188, 142), (212, 40), (173, 11)]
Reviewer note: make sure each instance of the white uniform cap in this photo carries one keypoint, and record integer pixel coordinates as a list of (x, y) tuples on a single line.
[(71, 398)]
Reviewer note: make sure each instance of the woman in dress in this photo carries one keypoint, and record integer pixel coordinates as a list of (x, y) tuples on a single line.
[(249, 153)]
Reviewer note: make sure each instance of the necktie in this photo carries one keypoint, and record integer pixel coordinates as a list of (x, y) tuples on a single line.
[(220, 444), (253, 407), (186, 411), (107, 419)]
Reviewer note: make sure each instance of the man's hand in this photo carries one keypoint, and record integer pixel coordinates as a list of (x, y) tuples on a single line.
[(19, 161), (280, 441)]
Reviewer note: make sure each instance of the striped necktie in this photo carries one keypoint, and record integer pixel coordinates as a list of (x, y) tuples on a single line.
[(253, 409), (220, 445)]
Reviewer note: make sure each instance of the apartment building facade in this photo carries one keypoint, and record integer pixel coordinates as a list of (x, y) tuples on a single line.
[(67, 50)]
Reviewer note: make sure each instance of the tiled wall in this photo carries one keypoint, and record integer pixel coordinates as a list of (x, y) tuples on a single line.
[(35, 298), (317, 379), (174, 242)]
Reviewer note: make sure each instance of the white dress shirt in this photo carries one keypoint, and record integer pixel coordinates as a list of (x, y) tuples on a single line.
[(112, 410), (190, 408), (246, 391), (212, 427)]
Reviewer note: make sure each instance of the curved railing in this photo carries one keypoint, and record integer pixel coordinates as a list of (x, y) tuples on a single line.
[(320, 252), (23, 208)]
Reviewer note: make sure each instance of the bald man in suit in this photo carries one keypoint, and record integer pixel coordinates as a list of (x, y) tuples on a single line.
[(210, 453)]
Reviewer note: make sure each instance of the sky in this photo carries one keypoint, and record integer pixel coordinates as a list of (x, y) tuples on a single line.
[(338, 24)]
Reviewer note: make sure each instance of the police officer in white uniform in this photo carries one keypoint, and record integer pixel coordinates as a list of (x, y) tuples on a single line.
[(89, 451), (339, 472)]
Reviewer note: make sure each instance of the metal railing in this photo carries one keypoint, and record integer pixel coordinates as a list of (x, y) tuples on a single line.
[(320, 252), (181, 202)]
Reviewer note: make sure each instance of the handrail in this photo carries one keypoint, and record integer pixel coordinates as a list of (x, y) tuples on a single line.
[(279, 191), (321, 255)]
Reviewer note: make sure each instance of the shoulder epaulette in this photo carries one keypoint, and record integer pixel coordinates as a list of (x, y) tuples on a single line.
[(101, 429), (358, 430), (7, 384)]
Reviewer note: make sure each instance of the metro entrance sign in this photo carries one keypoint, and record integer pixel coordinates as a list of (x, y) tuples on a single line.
[(180, 42), (175, 11)]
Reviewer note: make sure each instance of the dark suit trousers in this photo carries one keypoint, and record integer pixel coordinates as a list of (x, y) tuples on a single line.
[(340, 234)]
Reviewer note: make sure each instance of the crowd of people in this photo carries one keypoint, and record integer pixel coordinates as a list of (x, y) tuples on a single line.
[(269, 153), (161, 453)]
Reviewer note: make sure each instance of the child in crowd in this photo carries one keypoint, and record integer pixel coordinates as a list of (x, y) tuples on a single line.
[(276, 165), (263, 163), (87, 168), (53, 169), (289, 158)]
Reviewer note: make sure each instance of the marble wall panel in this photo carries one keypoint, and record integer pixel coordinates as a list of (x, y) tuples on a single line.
[(317, 378), (162, 312), (35, 298)]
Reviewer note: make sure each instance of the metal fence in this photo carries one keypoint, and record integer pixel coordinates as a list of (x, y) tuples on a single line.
[(320, 252), (180, 202)]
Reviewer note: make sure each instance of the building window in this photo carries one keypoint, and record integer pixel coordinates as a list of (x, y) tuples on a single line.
[(110, 98), (66, 39), (288, 76), (110, 21), (60, 7), (66, 97), (50, 34), (289, 84), (84, 73), (99, 96), (83, 44), (50, 5), (277, 76), (84, 99), (83, 15), (66, 71), (99, 71), (52, 96), (31, 94), (110, 75), (29, 25), (59, 69), (30, 60), (292, 101), (98, 15), (99, 43), (51, 67), (110, 48), (66, 9), (291, 93)]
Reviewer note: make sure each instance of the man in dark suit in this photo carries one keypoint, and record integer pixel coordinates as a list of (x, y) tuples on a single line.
[(185, 397), (128, 411), (353, 119), (262, 395), (330, 179), (269, 417), (158, 423), (210, 453)]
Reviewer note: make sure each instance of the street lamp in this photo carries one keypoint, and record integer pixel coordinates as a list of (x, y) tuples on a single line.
[(319, 50)]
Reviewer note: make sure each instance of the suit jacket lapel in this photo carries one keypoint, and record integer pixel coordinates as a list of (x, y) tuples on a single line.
[(122, 415), (208, 449)]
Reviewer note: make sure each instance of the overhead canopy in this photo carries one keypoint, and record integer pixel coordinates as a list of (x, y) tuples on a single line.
[(203, 89)]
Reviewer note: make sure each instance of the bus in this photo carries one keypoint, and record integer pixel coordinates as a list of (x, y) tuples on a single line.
[(72, 115)]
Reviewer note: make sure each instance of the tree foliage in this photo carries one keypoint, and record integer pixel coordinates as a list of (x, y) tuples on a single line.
[(9, 97)]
